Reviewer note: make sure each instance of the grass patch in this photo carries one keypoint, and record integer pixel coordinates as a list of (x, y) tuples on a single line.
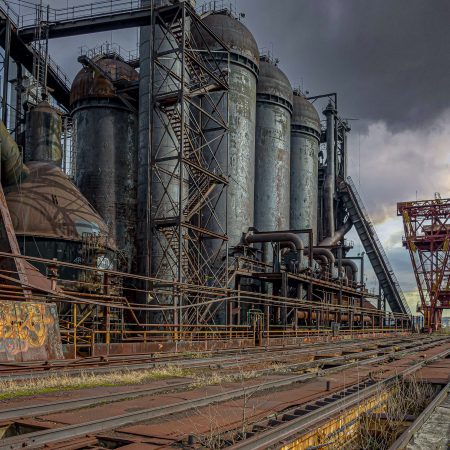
[(85, 380), (215, 378)]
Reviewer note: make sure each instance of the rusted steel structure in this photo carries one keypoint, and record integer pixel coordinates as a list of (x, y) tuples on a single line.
[(188, 91), (210, 115), (104, 114), (427, 238)]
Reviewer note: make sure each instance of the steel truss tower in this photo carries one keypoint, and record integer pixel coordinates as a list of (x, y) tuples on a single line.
[(189, 124), (427, 237)]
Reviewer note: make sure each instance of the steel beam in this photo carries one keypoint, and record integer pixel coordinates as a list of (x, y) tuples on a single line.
[(95, 24), (24, 54)]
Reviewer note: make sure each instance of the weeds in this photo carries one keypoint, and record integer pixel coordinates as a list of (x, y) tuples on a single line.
[(85, 380), (378, 430)]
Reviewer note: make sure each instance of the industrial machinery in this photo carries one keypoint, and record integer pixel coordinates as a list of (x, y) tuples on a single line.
[(427, 238), (210, 203)]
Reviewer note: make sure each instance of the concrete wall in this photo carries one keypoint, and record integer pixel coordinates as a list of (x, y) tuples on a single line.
[(29, 331)]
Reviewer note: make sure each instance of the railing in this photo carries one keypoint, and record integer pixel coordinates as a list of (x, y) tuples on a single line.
[(217, 5), (244, 333), (8, 11), (379, 246), (17, 21), (86, 10), (111, 50)]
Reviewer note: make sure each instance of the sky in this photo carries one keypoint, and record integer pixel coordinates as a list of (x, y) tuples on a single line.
[(389, 62)]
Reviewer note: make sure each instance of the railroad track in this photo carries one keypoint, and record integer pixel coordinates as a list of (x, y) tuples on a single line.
[(344, 361), (270, 433), (17, 372), (337, 363), (49, 436)]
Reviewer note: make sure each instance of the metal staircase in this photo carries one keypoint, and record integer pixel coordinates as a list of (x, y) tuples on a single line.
[(372, 245)]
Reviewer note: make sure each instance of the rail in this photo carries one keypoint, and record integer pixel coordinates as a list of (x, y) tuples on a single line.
[(290, 427)]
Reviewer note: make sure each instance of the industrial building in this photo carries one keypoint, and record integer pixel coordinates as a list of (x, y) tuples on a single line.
[(188, 195)]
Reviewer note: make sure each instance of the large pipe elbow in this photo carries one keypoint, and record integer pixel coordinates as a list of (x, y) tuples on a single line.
[(12, 167), (338, 235), (318, 251), (351, 265), (322, 259), (279, 236)]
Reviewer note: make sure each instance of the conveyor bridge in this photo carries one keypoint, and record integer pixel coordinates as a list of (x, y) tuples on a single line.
[(373, 247)]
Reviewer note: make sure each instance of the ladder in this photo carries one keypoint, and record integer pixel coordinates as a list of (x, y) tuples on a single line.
[(40, 56)]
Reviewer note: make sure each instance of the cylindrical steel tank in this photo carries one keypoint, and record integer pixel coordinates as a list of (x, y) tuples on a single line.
[(305, 141), (244, 69), (164, 182), (43, 134), (105, 141), (273, 145)]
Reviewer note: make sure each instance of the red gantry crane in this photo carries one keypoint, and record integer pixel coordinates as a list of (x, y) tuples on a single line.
[(427, 237)]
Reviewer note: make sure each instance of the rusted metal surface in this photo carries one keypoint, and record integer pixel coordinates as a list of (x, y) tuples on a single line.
[(49, 205), (94, 85), (170, 416), (105, 144), (273, 146), (29, 331), (9, 244), (427, 237), (295, 357)]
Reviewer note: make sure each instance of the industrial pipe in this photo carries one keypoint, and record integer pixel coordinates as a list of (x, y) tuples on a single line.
[(321, 259), (330, 179), (344, 276), (338, 235), (319, 251), (305, 315), (12, 167), (279, 236), (351, 265)]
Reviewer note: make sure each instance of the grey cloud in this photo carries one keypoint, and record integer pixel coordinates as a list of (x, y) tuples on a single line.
[(387, 59)]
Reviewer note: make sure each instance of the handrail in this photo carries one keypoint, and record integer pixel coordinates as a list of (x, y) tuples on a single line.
[(378, 246), (86, 10), (16, 21)]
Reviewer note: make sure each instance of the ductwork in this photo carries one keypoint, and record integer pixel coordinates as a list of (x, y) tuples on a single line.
[(349, 263), (338, 235), (12, 167), (279, 236)]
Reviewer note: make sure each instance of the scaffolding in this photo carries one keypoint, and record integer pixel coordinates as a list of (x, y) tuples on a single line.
[(189, 94)]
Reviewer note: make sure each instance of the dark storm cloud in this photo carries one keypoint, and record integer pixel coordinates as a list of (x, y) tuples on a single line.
[(388, 59)]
